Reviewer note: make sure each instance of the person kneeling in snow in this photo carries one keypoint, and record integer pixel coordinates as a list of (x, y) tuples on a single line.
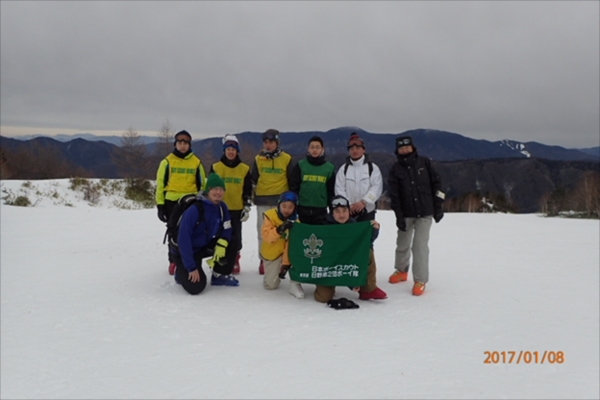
[(340, 214), (205, 231), (274, 248)]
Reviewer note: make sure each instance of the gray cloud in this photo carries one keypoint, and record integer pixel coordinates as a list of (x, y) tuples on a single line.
[(526, 71)]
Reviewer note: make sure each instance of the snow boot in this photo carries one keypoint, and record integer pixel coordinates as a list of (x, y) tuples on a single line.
[(172, 267), (224, 280), (296, 290), (398, 276), (375, 294), (418, 289), (236, 266)]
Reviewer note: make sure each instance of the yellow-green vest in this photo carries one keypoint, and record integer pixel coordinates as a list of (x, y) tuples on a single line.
[(234, 183), (181, 177), (272, 174)]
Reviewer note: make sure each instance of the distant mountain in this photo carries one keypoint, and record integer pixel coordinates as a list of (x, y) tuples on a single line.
[(595, 151), (523, 172), (436, 144), (116, 140)]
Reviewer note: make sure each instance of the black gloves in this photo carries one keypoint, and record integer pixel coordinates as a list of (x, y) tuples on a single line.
[(162, 213), (283, 227), (284, 270), (438, 214), (401, 223), (342, 304)]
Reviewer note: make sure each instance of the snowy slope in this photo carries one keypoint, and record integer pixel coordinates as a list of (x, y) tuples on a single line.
[(89, 311)]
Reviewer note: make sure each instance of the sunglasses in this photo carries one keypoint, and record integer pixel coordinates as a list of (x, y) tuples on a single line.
[(340, 203), (182, 141)]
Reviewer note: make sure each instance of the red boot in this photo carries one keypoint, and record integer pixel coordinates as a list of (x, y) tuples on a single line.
[(236, 267), (376, 294), (172, 267), (261, 268)]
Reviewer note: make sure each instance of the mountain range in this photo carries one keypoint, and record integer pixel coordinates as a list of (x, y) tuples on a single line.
[(523, 173), (436, 144)]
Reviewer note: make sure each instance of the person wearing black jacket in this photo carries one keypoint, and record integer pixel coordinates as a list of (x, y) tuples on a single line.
[(414, 188)]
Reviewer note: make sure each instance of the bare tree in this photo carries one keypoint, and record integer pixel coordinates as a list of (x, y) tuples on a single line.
[(133, 160), (164, 144)]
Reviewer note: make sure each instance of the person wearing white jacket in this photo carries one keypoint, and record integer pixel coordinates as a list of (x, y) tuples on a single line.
[(359, 180)]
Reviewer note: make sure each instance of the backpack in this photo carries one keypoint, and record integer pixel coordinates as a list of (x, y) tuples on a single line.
[(174, 221), (369, 163)]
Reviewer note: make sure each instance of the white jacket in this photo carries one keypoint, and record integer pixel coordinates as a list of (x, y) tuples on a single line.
[(357, 185)]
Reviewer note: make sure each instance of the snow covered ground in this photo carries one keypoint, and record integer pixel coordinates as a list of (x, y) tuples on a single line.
[(89, 311)]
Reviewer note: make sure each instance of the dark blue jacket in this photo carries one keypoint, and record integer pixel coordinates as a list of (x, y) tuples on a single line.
[(195, 237)]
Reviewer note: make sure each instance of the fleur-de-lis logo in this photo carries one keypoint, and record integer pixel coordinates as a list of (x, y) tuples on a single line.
[(312, 251)]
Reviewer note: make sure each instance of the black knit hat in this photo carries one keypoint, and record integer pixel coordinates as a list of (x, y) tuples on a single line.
[(404, 141), (316, 139), (271, 134), (182, 133)]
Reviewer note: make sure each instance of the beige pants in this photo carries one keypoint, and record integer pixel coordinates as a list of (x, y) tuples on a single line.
[(325, 293), (271, 277)]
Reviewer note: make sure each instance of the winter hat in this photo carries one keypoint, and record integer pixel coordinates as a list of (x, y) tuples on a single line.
[(182, 133), (214, 181), (355, 140), (404, 141), (288, 196), (271, 134), (316, 139), (231, 141), (339, 201)]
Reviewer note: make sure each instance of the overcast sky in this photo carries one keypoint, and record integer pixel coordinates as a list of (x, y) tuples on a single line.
[(527, 71)]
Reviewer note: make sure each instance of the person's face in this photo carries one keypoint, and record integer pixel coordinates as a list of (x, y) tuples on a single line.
[(230, 153), (270, 145), (216, 194), (286, 208), (315, 149), (356, 151), (182, 144), (341, 214), (403, 150)]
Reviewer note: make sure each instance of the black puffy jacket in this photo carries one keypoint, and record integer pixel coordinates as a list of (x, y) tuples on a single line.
[(412, 187)]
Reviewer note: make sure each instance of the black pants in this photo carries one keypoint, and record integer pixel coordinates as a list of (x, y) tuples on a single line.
[(370, 216), (182, 275), (169, 206), (224, 268), (312, 215)]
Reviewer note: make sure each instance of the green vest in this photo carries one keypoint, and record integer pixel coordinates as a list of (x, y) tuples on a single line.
[(313, 183)]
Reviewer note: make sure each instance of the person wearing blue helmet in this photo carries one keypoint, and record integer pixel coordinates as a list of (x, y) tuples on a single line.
[(277, 223)]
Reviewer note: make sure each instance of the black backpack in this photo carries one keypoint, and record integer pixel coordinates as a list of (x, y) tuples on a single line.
[(175, 218)]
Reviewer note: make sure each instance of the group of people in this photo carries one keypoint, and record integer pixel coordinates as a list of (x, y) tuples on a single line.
[(310, 191)]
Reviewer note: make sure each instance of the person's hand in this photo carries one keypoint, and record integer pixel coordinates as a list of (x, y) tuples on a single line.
[(358, 207), (162, 213), (283, 227), (245, 214), (194, 276), (438, 216), (401, 223), (375, 224), (220, 249)]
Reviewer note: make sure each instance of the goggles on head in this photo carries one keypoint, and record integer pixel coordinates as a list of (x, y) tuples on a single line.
[(403, 142), (340, 202)]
